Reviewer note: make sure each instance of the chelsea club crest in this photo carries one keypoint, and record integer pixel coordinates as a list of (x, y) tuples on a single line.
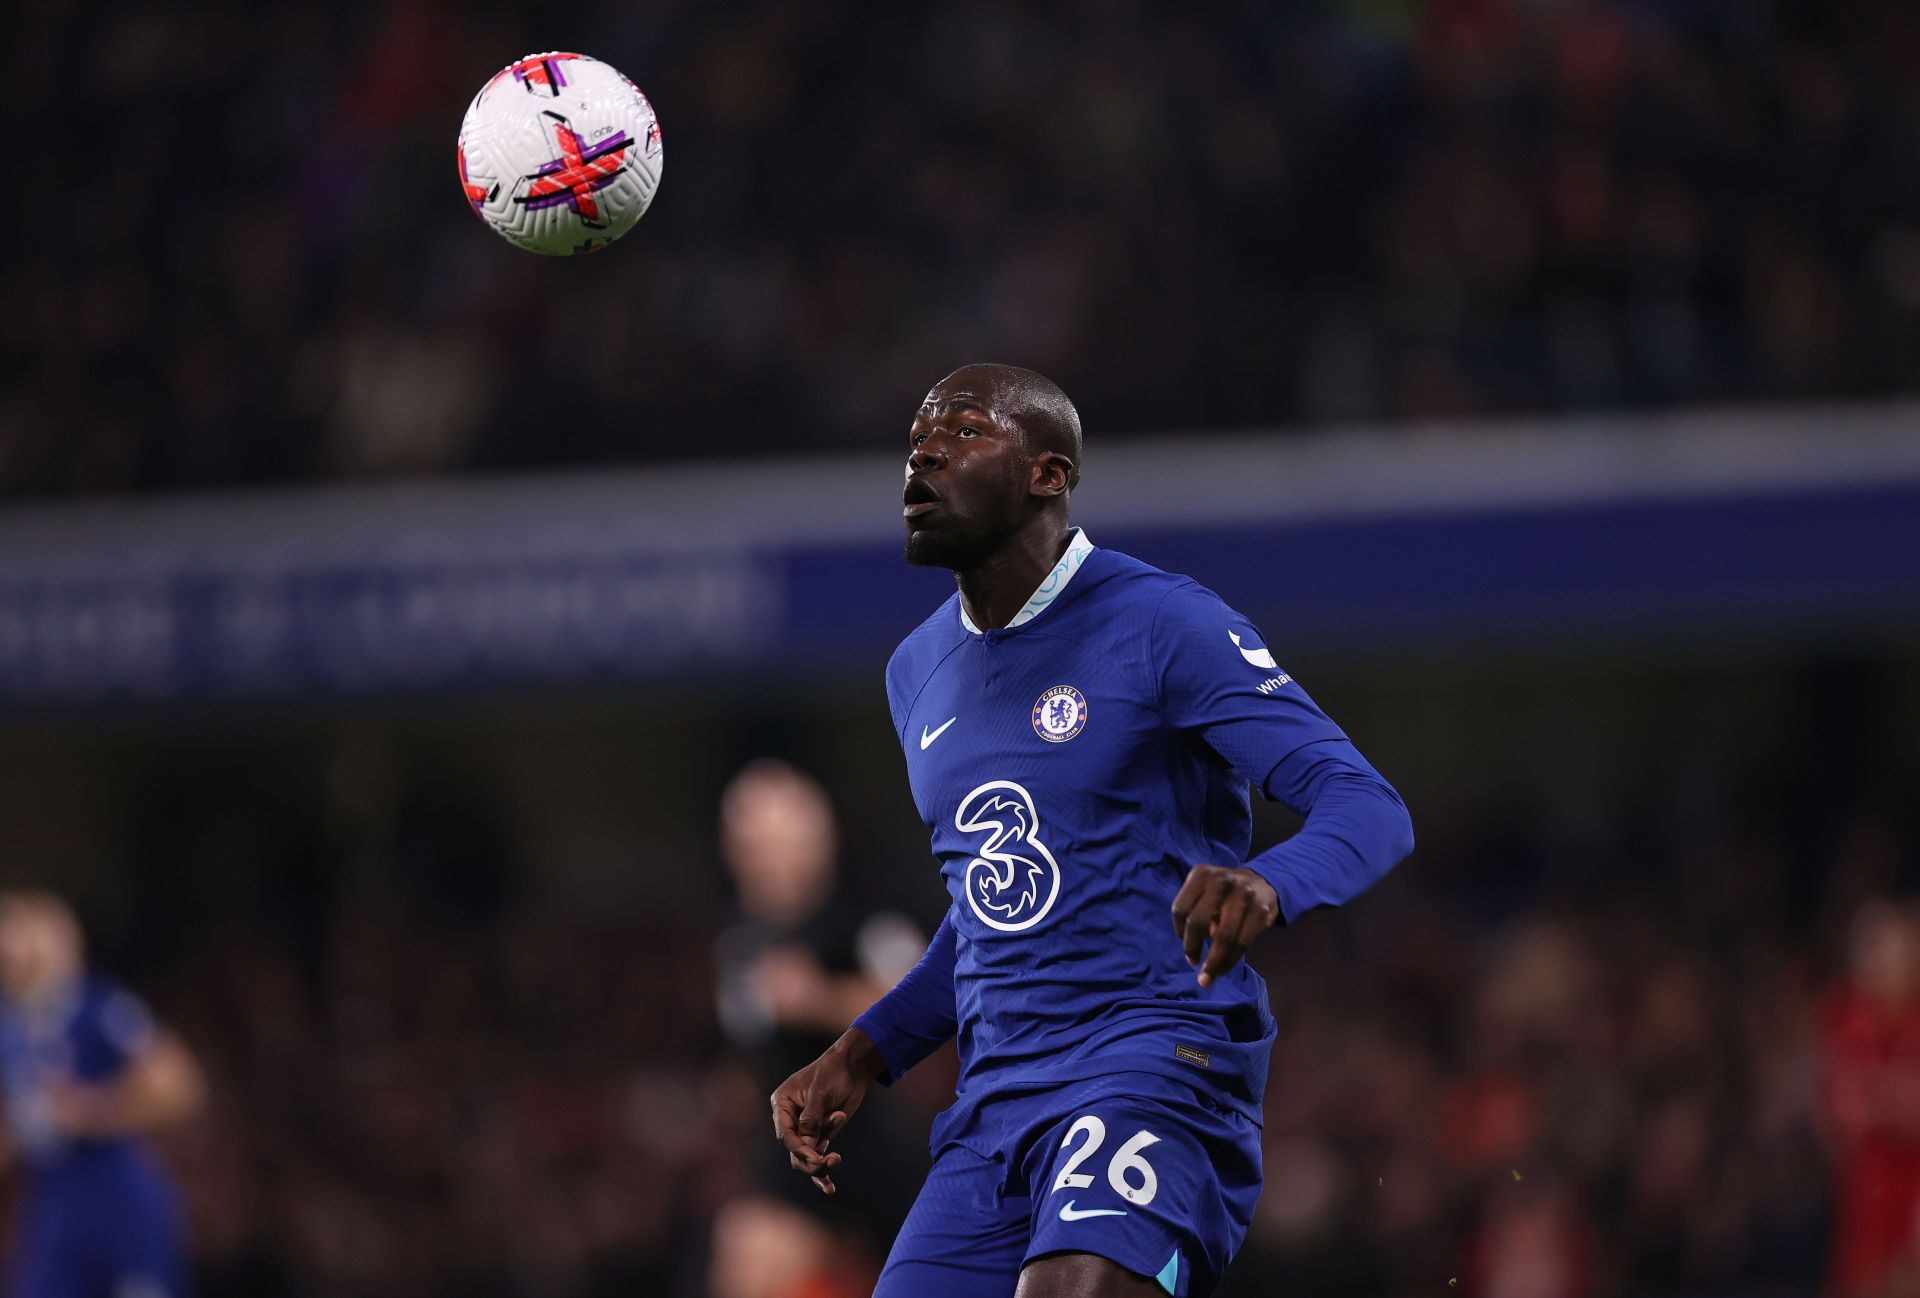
[(1060, 714)]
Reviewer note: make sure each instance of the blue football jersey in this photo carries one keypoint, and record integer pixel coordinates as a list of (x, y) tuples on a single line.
[(86, 1034), (1072, 768), (100, 1215)]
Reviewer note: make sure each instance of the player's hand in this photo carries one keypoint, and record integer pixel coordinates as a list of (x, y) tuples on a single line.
[(1222, 909), (811, 1107)]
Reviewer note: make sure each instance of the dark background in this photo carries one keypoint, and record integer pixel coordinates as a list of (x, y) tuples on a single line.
[(238, 264), (448, 956)]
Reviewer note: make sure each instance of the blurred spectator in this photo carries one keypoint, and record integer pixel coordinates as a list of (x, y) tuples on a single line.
[(1871, 1104), (87, 1077), (1328, 210), (1569, 1119), (796, 967)]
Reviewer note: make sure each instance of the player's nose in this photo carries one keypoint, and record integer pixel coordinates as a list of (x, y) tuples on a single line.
[(928, 456)]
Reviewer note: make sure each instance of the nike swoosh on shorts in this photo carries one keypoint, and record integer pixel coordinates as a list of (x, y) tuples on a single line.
[(1068, 1212)]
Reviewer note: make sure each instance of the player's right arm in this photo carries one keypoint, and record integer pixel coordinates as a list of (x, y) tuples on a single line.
[(158, 1085), (897, 1031)]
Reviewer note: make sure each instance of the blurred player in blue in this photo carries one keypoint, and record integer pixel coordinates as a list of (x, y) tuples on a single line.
[(86, 1076), (1081, 733)]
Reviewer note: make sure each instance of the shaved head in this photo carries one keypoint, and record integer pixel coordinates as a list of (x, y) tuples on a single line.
[(994, 453), (1032, 401)]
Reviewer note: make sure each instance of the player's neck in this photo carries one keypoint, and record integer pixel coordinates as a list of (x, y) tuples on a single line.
[(995, 590)]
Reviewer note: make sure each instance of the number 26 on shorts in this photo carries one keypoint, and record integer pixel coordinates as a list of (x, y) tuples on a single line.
[(1131, 1176)]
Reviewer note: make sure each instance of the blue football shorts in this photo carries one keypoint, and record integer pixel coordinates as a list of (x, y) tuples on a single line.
[(1157, 1178), (111, 1238)]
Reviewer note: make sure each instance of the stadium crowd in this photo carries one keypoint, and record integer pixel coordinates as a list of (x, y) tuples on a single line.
[(1237, 214), (1487, 1077)]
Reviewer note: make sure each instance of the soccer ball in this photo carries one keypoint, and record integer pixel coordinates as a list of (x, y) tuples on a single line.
[(560, 154)]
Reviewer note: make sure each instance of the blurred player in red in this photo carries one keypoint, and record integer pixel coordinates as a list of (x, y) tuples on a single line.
[(1871, 1107), (87, 1076)]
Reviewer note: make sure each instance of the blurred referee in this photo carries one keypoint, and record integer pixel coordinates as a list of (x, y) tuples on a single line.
[(86, 1075), (795, 966)]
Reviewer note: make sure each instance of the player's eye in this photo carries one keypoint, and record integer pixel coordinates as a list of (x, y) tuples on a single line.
[(919, 438), (966, 431)]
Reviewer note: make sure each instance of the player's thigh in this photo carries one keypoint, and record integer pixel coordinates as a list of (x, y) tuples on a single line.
[(1082, 1275), (964, 1237), (1164, 1188)]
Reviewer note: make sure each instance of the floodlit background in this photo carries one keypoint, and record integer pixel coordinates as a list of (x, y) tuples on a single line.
[(386, 614)]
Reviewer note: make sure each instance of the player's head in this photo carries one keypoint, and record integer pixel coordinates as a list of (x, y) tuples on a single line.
[(992, 448), (40, 946), (778, 837)]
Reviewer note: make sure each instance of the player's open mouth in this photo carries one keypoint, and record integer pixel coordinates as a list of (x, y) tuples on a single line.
[(920, 499)]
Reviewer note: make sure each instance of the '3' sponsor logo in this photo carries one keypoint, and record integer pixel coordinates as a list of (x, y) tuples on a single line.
[(1013, 880)]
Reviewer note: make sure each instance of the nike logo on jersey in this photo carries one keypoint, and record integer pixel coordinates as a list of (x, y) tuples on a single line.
[(1068, 1213), (1262, 658), (928, 736)]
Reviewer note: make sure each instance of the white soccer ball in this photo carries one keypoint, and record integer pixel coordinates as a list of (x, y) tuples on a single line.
[(560, 154)]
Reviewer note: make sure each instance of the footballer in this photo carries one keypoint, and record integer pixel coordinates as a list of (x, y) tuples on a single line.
[(86, 1076), (1081, 731)]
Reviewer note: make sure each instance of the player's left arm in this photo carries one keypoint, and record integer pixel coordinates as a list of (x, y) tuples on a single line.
[(157, 1082), (1218, 680), (799, 991)]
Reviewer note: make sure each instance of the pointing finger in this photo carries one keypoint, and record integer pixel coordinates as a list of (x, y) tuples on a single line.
[(1225, 947), (1221, 956)]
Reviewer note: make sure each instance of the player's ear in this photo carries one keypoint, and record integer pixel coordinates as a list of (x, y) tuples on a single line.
[(1052, 474)]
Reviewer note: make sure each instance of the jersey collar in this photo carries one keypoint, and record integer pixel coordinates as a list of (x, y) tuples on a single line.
[(1078, 548)]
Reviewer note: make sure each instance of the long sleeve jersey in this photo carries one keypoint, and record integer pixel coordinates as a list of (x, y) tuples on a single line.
[(1071, 769)]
